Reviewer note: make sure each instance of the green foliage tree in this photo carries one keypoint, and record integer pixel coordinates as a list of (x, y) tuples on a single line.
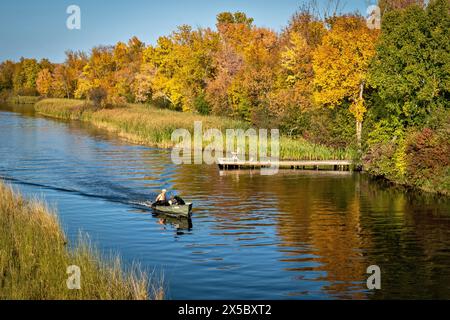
[(411, 71), (390, 5)]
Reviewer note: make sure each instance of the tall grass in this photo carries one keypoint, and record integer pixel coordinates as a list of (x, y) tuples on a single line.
[(300, 149), (34, 257), (153, 127), (67, 109)]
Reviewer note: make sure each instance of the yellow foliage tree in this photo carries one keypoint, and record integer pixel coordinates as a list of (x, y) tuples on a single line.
[(182, 64), (44, 82), (341, 64), (294, 59)]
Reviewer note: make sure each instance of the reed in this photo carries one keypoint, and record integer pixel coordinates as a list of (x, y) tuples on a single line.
[(34, 257), (300, 149), (67, 109)]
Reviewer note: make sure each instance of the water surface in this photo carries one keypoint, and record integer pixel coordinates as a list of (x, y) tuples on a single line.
[(296, 235)]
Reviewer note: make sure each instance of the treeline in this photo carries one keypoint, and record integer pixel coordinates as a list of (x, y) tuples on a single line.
[(314, 79)]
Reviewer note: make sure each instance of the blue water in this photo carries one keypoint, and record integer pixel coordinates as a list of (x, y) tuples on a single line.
[(296, 235)]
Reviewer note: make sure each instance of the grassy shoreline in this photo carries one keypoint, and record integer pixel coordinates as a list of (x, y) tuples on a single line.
[(34, 257), (22, 100), (420, 161), (153, 127)]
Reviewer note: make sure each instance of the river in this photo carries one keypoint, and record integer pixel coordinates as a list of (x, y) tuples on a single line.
[(295, 235)]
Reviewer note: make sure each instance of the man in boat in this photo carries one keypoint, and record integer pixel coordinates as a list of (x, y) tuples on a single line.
[(161, 199)]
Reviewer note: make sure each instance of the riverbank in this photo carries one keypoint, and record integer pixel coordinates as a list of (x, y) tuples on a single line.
[(34, 258), (421, 159), (423, 167), (22, 100), (153, 127)]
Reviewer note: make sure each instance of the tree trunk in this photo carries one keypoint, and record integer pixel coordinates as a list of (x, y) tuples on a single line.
[(67, 90), (358, 133), (359, 123)]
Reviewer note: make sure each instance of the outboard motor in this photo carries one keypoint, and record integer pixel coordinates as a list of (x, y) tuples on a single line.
[(178, 201)]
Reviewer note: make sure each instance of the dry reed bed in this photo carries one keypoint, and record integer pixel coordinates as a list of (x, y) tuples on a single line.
[(34, 257)]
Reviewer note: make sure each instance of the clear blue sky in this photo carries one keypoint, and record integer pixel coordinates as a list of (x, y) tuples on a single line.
[(38, 28)]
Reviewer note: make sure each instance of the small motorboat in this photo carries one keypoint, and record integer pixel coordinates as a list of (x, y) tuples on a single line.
[(175, 210)]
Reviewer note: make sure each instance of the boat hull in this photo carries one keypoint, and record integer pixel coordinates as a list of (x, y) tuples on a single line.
[(175, 210)]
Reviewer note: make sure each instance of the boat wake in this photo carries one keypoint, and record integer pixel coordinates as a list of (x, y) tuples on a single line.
[(137, 201)]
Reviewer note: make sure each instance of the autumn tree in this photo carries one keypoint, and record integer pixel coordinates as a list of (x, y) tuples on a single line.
[(249, 92), (44, 82), (46, 64), (67, 75), (224, 91), (163, 60), (183, 65), (110, 68), (228, 63), (142, 86), (293, 93), (341, 64), (25, 75), (237, 18), (307, 23), (128, 59), (98, 72), (62, 85), (6, 75)]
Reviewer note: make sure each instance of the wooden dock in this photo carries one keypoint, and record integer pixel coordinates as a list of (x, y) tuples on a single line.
[(329, 165)]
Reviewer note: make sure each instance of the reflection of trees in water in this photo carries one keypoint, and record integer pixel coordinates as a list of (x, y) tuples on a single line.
[(338, 226), (24, 109), (327, 215), (411, 239), (315, 214), (336, 235)]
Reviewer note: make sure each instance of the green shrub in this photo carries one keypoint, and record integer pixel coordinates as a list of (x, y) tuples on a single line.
[(428, 157), (201, 105), (379, 161), (421, 160), (98, 96)]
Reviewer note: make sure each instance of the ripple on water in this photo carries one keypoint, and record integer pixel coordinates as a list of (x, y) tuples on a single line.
[(295, 235)]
